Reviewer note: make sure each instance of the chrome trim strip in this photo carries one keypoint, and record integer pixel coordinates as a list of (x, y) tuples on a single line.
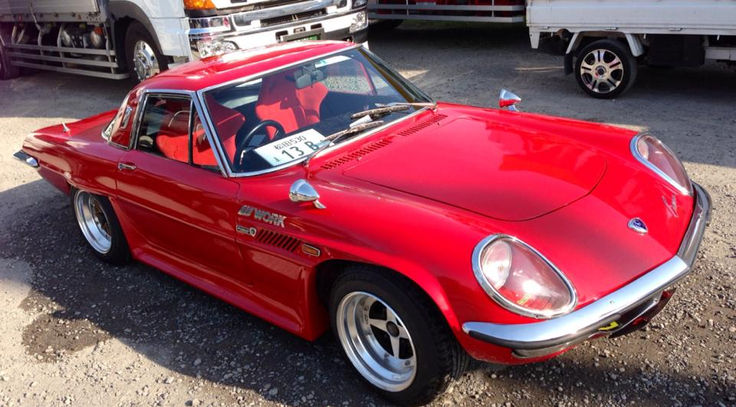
[(579, 325), (20, 155), (635, 153), (503, 301)]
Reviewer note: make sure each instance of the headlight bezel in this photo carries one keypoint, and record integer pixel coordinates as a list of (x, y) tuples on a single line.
[(504, 302), (634, 147)]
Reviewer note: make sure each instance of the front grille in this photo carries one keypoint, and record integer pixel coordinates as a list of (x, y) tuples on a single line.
[(292, 18)]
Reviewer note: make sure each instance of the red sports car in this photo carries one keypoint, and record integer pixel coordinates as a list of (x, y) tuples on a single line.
[(311, 185)]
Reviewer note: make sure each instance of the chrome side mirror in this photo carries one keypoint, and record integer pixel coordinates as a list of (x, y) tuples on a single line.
[(303, 191), (508, 100)]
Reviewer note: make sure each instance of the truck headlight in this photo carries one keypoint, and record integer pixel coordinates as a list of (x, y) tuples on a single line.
[(520, 279), (359, 3), (208, 48), (360, 21), (660, 159)]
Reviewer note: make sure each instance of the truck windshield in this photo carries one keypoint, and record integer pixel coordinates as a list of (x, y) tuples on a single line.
[(281, 118)]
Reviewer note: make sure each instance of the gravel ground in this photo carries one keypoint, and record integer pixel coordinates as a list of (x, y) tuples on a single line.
[(75, 331)]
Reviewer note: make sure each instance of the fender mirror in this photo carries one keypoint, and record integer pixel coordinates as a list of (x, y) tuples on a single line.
[(303, 191), (508, 100)]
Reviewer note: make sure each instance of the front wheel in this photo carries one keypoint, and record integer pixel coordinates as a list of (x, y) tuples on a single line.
[(100, 227), (394, 336), (605, 69), (144, 59)]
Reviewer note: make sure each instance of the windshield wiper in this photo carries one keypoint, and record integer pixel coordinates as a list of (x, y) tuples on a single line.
[(334, 137), (382, 110)]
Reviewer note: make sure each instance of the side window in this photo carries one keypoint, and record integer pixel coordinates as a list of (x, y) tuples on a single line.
[(164, 128), (202, 154)]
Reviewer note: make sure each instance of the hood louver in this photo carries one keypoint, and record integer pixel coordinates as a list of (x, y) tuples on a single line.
[(423, 125), (356, 154)]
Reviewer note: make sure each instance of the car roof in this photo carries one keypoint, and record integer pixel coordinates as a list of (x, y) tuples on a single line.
[(197, 75)]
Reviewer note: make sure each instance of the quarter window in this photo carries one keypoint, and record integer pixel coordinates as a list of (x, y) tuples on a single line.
[(172, 129)]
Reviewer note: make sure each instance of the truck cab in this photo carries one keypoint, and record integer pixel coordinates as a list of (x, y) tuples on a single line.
[(118, 39)]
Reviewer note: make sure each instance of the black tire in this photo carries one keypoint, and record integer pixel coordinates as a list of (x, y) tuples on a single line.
[(384, 25), (137, 32), (118, 252), (605, 69), (7, 71), (439, 358)]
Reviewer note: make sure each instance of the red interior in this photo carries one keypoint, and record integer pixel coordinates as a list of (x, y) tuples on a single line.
[(174, 134), (281, 101)]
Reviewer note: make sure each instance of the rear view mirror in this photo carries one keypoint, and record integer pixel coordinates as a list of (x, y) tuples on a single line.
[(308, 77)]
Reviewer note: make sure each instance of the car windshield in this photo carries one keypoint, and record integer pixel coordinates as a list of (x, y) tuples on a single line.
[(283, 117)]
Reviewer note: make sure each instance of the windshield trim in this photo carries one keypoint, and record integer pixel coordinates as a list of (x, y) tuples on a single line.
[(221, 155)]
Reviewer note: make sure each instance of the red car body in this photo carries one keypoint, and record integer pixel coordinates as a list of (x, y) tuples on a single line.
[(414, 197)]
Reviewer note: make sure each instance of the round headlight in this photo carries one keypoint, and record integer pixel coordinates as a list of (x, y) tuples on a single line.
[(660, 159), (520, 279)]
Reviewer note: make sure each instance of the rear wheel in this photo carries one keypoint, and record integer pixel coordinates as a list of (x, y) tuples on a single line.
[(605, 69), (100, 227), (144, 59), (7, 71), (394, 336)]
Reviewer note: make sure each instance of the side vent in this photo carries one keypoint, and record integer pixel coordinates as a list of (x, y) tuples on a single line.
[(422, 125), (367, 149), (277, 240)]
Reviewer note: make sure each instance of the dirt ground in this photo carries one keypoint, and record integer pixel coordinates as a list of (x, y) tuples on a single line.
[(75, 331)]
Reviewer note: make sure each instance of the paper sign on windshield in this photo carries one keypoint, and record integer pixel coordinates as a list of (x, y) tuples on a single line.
[(291, 148)]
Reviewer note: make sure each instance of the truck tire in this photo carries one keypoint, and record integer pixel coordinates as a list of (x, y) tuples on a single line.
[(143, 57), (605, 69), (7, 71), (383, 25)]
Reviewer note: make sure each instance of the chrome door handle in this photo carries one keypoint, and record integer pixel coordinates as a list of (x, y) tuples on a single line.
[(126, 166)]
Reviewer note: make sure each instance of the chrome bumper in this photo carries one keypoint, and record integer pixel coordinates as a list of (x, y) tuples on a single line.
[(26, 159), (622, 306)]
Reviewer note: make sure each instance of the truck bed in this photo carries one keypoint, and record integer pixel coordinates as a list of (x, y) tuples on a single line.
[(704, 17)]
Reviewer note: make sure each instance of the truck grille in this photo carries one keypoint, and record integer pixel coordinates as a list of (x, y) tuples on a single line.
[(293, 17)]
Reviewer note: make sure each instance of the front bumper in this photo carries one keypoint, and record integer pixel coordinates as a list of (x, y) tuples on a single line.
[(614, 313), (331, 27)]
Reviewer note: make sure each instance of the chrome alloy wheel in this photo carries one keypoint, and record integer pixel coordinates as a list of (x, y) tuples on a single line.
[(93, 221), (602, 71), (376, 341), (145, 61)]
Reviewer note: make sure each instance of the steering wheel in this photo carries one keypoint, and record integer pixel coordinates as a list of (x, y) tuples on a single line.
[(243, 147)]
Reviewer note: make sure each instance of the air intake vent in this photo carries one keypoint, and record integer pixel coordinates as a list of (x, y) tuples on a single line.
[(278, 240), (423, 125), (369, 148)]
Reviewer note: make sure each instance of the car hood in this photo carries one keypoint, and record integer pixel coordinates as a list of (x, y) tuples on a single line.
[(506, 172)]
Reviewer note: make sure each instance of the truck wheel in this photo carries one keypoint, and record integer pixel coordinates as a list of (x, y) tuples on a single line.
[(100, 227), (605, 69), (393, 336), (384, 25), (7, 71), (144, 59)]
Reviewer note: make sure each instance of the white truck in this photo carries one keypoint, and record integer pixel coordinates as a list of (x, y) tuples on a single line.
[(604, 41), (390, 13), (139, 38)]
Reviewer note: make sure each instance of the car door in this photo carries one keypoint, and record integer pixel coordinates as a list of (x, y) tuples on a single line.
[(176, 199)]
